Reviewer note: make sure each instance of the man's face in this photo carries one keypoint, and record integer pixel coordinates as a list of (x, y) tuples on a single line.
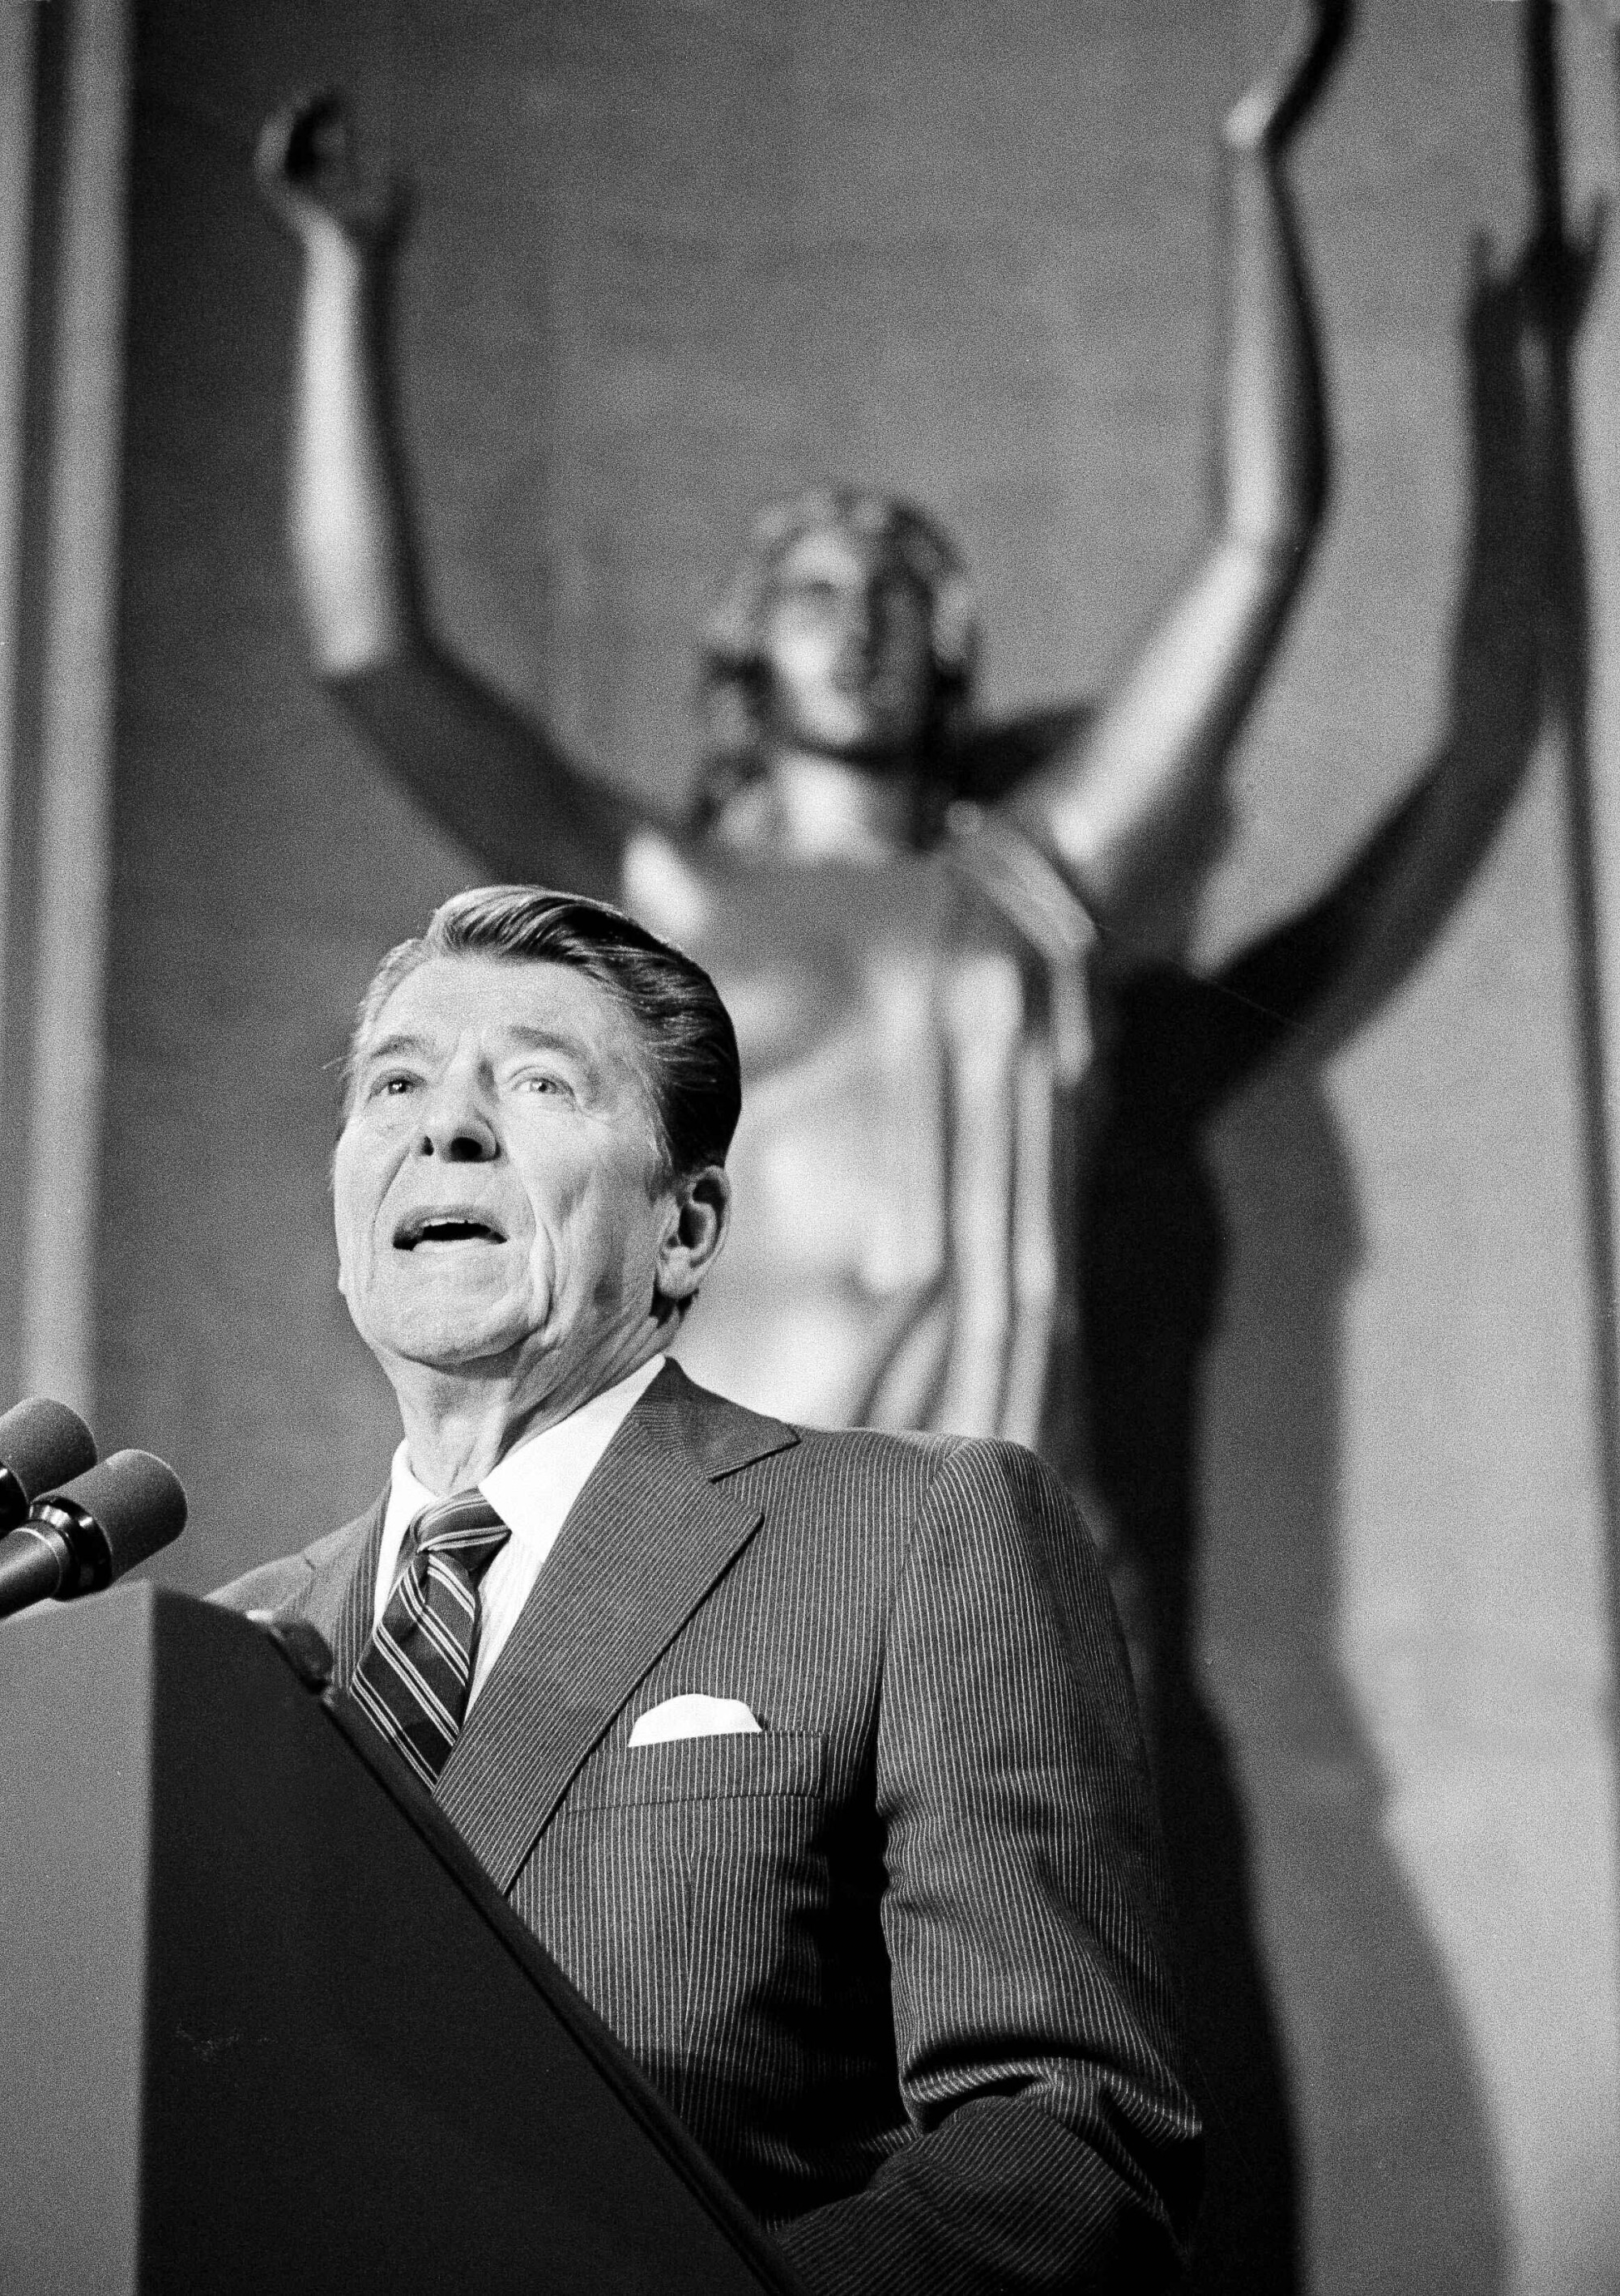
[(494, 1183), (846, 649)]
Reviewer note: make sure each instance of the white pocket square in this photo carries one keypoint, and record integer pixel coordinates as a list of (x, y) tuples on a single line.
[(693, 1715)]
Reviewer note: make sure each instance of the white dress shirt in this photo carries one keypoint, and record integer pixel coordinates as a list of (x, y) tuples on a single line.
[(532, 1491)]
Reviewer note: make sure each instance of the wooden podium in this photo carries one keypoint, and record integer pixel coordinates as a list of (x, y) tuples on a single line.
[(263, 2024)]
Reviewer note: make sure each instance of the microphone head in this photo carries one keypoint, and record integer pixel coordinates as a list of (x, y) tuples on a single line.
[(43, 1444), (115, 1516)]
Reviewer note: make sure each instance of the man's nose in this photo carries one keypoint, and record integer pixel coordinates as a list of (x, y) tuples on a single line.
[(456, 1127)]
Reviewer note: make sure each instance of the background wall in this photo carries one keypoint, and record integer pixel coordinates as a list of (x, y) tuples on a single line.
[(671, 257)]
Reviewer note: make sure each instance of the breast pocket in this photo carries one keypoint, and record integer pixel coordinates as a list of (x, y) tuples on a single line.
[(680, 1885), (729, 1766)]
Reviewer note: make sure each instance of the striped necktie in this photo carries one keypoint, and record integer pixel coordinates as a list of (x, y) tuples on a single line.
[(415, 1673)]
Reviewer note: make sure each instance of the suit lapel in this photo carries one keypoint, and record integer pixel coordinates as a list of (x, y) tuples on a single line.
[(646, 1539), (343, 1580)]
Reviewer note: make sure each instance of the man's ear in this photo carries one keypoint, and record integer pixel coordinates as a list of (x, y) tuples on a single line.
[(700, 1213)]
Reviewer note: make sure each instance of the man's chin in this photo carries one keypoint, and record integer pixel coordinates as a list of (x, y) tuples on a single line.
[(456, 1344)]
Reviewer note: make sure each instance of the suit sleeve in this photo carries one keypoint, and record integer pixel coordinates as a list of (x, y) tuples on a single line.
[(275, 1587), (1036, 2026)]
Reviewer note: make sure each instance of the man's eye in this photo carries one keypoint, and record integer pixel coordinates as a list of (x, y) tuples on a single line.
[(392, 1086), (540, 1080)]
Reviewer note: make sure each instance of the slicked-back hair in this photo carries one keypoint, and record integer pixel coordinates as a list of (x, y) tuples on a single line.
[(691, 1069)]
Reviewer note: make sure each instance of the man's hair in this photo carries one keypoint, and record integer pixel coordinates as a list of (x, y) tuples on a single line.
[(690, 1066), (733, 669)]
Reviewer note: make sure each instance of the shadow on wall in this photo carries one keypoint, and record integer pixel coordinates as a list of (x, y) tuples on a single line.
[(1403, 2193)]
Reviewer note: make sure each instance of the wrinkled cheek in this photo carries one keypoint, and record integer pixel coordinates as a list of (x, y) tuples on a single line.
[(629, 1280), (350, 1278), (357, 1282), (540, 1283), (353, 1225), (610, 1291), (353, 1189)]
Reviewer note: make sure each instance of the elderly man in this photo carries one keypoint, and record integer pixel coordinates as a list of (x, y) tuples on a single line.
[(810, 1757)]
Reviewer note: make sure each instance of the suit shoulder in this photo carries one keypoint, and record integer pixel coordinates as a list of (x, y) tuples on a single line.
[(933, 1492), (857, 1475), (273, 1585), (876, 1450), (269, 1586), (919, 1460), (726, 1435), (719, 1435)]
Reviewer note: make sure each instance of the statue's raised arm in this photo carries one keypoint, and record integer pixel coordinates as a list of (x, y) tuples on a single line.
[(493, 778), (1120, 805)]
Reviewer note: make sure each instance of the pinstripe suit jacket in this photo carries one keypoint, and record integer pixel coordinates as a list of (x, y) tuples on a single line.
[(899, 1961)]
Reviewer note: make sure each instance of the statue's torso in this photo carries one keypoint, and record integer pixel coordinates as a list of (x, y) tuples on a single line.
[(912, 1035)]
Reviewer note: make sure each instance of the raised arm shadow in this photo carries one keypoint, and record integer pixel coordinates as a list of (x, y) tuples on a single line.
[(1521, 620)]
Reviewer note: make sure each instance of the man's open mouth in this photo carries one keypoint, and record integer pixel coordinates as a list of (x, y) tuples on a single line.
[(445, 1227)]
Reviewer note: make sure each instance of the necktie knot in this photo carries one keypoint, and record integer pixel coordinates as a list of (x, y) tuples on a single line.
[(465, 1527), (415, 1674)]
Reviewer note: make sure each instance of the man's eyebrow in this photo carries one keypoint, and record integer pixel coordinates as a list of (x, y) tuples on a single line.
[(528, 1036), (517, 1036), (391, 1047)]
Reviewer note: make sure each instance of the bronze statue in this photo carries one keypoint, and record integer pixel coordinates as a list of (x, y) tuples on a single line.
[(903, 943)]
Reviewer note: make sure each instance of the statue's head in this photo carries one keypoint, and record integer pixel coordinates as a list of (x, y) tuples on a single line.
[(850, 631)]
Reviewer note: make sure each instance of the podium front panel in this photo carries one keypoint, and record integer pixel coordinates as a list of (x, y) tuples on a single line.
[(306, 2056)]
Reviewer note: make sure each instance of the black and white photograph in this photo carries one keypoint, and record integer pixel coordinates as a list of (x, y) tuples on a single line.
[(810, 1147)]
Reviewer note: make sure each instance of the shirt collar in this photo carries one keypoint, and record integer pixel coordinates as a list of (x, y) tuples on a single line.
[(534, 1486), (554, 1466)]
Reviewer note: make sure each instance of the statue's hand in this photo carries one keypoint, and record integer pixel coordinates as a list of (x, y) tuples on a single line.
[(1555, 276), (305, 168), (1264, 120), (1541, 298)]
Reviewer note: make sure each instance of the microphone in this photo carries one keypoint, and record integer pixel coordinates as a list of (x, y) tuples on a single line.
[(43, 1444), (79, 1539)]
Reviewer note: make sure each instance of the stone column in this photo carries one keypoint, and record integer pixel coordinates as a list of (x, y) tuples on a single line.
[(64, 90)]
